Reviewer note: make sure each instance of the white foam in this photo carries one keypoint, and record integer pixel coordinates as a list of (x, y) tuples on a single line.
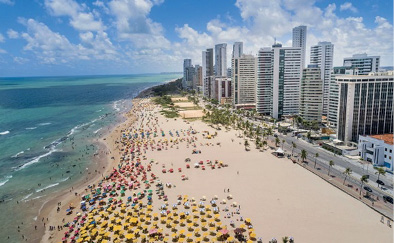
[(65, 179), (27, 196), (5, 180), (4, 133), (16, 155), (115, 106), (36, 159), (44, 124), (30, 128), (97, 130), (49, 186)]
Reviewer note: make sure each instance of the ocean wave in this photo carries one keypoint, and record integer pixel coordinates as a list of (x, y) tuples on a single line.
[(49, 186), (17, 154), (95, 132), (56, 142), (5, 180), (65, 179), (26, 197), (4, 133), (115, 105), (36, 159), (44, 124), (30, 128)]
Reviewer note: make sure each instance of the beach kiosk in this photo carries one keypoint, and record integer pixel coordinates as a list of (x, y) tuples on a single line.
[(279, 153)]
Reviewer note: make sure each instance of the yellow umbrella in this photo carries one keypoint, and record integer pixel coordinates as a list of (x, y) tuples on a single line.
[(247, 220)]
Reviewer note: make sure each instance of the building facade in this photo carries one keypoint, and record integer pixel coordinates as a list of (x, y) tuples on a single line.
[(322, 55), (244, 80), (299, 40), (238, 49), (377, 149), (187, 63), (197, 78), (221, 60), (364, 63), (311, 94), (223, 88), (264, 81), (365, 105)]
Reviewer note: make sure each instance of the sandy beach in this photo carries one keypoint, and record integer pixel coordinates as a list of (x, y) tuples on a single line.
[(265, 196)]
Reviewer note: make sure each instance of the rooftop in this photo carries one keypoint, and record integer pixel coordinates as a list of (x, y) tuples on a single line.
[(387, 138)]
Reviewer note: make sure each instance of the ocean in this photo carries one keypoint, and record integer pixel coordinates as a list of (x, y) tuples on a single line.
[(47, 129)]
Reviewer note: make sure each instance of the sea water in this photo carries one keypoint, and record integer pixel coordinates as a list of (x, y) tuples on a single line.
[(47, 129)]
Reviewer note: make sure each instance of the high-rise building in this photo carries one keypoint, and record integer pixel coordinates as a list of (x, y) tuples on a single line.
[(334, 93), (365, 105), (279, 83), (207, 63), (264, 81), (364, 63), (221, 60), (244, 80), (209, 87), (311, 94), (322, 55), (222, 88), (238, 49), (186, 64), (197, 78), (189, 77), (299, 40)]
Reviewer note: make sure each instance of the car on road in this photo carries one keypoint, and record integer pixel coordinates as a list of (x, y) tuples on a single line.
[(367, 188), (388, 199), (380, 182)]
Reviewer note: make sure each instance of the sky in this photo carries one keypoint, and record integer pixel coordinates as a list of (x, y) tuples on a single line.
[(98, 37)]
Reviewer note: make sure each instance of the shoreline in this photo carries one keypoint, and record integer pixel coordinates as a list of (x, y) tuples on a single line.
[(49, 207)]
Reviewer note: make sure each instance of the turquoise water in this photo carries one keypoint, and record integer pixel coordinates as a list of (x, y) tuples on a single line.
[(48, 126)]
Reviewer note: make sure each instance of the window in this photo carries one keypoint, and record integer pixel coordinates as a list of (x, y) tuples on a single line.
[(385, 156), (385, 149), (389, 157), (391, 150)]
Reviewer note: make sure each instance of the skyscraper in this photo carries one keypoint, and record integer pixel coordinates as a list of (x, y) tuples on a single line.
[(244, 80), (278, 84), (364, 63), (311, 94), (221, 60), (238, 49), (207, 67), (186, 64), (365, 105), (299, 40), (322, 55)]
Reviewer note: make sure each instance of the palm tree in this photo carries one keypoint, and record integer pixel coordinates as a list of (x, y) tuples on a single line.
[(285, 239), (304, 154), (347, 172), (277, 140), (265, 143), (331, 163), (309, 135), (363, 179), (294, 146), (316, 155), (380, 171), (283, 142)]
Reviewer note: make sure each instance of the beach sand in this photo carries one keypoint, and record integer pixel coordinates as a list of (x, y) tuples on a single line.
[(280, 198)]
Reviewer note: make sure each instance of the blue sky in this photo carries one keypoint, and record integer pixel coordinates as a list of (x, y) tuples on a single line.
[(74, 37)]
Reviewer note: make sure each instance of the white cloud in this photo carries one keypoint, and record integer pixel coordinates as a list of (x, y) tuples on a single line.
[(12, 34), (79, 18), (52, 47), (9, 2), (348, 6), (21, 60), (1, 38), (2, 51)]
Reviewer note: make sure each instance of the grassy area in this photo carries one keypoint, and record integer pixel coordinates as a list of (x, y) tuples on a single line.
[(164, 101), (170, 113)]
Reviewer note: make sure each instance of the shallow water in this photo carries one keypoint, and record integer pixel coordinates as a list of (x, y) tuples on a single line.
[(47, 129)]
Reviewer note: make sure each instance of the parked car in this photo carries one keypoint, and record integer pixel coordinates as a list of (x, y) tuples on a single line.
[(388, 199), (380, 182), (368, 189)]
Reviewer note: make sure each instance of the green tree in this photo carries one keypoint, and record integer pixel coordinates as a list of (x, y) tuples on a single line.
[(347, 172), (285, 239), (363, 179), (380, 171), (277, 141), (294, 145), (316, 155), (304, 154), (265, 143), (331, 164), (246, 143), (283, 143), (309, 135)]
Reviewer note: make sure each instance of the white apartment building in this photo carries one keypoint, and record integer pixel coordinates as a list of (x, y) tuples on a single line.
[(377, 149), (311, 95), (278, 84), (364, 63), (299, 40), (244, 80), (221, 60), (322, 55)]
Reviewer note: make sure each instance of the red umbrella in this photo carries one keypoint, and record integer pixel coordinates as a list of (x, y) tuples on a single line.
[(224, 231)]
